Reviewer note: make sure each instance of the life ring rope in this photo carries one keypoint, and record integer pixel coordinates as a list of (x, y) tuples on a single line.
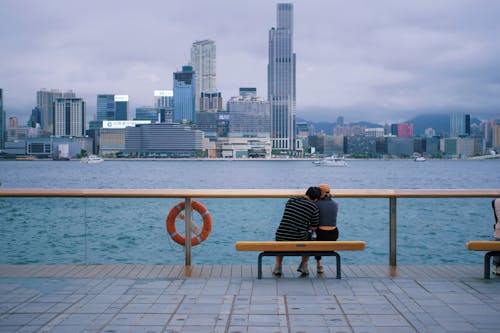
[(197, 238)]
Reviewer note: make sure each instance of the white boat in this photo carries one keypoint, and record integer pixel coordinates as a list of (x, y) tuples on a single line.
[(92, 159), (333, 161), (420, 159)]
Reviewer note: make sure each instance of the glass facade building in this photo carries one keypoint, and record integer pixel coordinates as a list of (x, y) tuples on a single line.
[(281, 83), (250, 116), (184, 95), (112, 107)]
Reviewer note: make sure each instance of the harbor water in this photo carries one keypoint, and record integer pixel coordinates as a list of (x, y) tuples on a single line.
[(117, 230)]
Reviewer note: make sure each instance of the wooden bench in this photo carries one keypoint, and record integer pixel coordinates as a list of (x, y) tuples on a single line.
[(300, 248), (493, 248)]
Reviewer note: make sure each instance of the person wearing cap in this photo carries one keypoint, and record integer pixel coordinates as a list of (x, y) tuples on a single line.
[(327, 229), (300, 216)]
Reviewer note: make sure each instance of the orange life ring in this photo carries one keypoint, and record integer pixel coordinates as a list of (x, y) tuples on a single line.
[(197, 238)]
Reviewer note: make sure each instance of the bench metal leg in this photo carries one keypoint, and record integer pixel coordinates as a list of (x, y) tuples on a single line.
[(487, 258), (294, 254)]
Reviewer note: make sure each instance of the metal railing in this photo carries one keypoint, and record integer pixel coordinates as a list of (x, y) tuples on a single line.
[(189, 194)]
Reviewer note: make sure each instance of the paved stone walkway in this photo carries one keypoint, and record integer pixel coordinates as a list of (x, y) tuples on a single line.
[(288, 304)]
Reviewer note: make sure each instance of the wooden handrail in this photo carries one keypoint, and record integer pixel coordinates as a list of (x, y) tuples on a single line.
[(248, 193)]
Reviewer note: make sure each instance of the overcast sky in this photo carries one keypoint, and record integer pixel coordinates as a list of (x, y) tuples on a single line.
[(365, 60)]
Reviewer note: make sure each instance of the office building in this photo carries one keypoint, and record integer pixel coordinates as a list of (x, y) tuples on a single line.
[(248, 92), (3, 132), (400, 146), (163, 140), (459, 125), (45, 103), (281, 80), (147, 113), (184, 95), (210, 101), (203, 61), (163, 99), (112, 107), (69, 117), (213, 124), (405, 130), (249, 115)]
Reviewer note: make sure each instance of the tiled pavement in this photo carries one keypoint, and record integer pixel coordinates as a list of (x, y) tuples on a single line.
[(246, 304)]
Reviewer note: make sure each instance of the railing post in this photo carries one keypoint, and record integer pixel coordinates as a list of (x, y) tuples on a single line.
[(392, 231), (187, 221)]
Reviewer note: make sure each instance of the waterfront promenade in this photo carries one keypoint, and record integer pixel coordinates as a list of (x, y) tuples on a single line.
[(229, 298)]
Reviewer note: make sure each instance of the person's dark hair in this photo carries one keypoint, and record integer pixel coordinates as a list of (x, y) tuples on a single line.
[(314, 193)]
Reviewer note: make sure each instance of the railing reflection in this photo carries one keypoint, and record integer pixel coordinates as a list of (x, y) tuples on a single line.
[(95, 213)]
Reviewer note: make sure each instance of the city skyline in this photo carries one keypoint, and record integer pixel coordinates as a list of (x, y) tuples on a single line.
[(382, 62)]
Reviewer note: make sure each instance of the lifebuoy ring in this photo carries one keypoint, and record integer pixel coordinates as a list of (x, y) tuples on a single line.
[(197, 238)]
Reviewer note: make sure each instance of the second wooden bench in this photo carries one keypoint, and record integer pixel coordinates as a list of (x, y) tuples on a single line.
[(300, 248)]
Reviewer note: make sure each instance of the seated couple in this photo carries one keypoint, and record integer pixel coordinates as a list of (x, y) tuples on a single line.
[(315, 211)]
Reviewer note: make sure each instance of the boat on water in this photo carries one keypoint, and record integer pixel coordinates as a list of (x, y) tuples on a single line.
[(420, 159), (92, 159), (332, 161)]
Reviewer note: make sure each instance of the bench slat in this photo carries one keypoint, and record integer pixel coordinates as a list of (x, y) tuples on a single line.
[(483, 246), (301, 246)]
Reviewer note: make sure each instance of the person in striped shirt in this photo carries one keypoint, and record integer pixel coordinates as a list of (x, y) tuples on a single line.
[(299, 217)]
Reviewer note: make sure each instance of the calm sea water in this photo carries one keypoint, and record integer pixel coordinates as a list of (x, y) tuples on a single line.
[(97, 230)]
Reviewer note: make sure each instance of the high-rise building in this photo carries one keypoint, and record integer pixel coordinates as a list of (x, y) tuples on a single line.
[(163, 99), (3, 130), (210, 101), (112, 107), (45, 102), (249, 115), (203, 61), (459, 124), (281, 80), (69, 117), (184, 95), (405, 130)]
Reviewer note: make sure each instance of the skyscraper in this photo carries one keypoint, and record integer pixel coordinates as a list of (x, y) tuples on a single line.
[(459, 124), (281, 80), (184, 95), (69, 117), (203, 61), (112, 107), (45, 102), (3, 130)]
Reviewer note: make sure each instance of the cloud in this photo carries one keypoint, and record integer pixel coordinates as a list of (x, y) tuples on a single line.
[(373, 60)]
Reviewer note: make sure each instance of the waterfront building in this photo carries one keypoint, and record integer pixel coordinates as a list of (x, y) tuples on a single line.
[(349, 130), (163, 140), (203, 61), (244, 147), (147, 113), (112, 107), (3, 136), (360, 145), (57, 147), (213, 124), (45, 103), (184, 95), (250, 115), (432, 146), (459, 124), (333, 145), (495, 141), (69, 117), (281, 79), (462, 146), (398, 146)]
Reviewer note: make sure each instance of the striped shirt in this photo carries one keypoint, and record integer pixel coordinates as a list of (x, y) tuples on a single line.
[(299, 215)]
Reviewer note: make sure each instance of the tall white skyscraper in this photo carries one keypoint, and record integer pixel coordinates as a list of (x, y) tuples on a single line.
[(281, 80), (203, 61)]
